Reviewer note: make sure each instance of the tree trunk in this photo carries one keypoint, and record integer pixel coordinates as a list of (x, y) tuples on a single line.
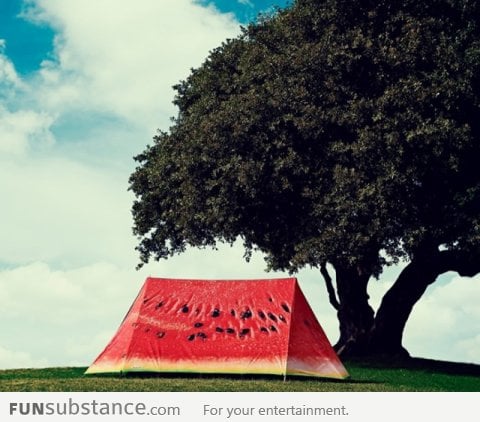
[(364, 335), (354, 312), (396, 306)]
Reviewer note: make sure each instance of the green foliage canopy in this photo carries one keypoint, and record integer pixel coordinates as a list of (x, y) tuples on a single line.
[(329, 131)]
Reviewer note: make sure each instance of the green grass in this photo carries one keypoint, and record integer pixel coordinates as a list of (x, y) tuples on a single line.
[(416, 375)]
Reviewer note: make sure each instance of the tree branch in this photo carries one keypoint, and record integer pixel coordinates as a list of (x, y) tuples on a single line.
[(329, 284), (465, 263)]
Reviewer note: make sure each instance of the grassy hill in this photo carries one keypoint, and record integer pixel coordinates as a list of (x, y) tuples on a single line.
[(416, 375)]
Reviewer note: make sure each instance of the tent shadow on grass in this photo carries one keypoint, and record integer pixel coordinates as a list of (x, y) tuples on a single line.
[(450, 368)]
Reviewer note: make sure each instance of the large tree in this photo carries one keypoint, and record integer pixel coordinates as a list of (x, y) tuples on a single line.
[(332, 132)]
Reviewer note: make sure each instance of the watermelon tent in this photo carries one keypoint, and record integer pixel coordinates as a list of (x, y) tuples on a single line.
[(220, 326)]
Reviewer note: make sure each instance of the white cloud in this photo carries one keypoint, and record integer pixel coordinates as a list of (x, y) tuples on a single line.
[(61, 317), (56, 210), (444, 323), (66, 151), (61, 297), (246, 3), (8, 75), (10, 359), (467, 350), (123, 57), (23, 130)]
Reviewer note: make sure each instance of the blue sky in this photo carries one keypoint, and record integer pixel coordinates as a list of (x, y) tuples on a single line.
[(79, 97), (27, 44)]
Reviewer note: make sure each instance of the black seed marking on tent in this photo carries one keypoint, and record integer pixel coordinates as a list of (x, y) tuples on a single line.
[(198, 325), (285, 307), (230, 330), (270, 299), (232, 312), (161, 334), (159, 305), (203, 336), (282, 318), (216, 313), (197, 311), (191, 337), (219, 330), (246, 314), (146, 300), (261, 314), (272, 317), (244, 332), (185, 309), (263, 329), (273, 328)]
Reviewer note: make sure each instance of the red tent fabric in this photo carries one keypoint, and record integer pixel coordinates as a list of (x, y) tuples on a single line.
[(220, 326)]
